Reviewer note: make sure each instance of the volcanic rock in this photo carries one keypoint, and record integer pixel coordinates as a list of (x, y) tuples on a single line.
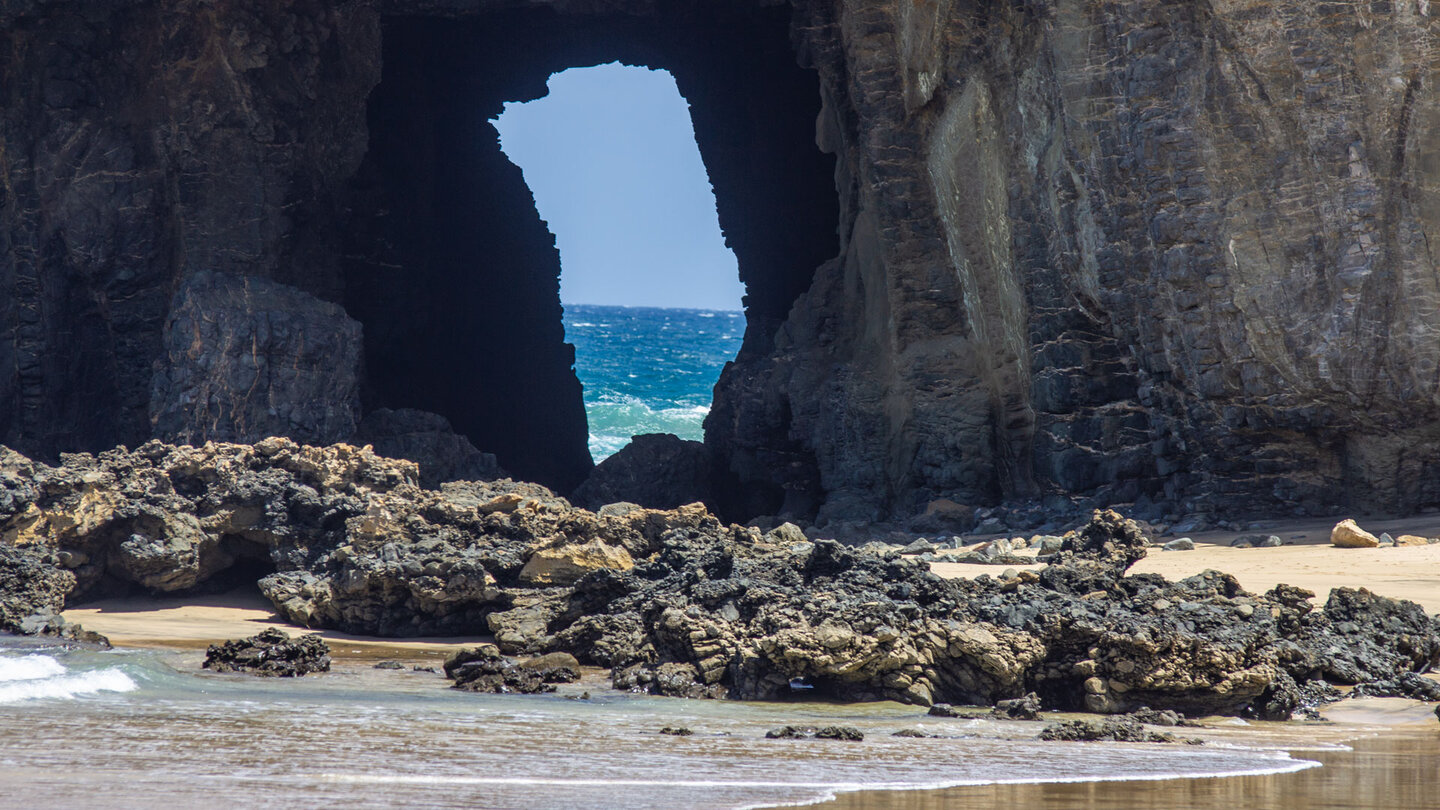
[(271, 653), (845, 733), (1111, 729), (1409, 685), (428, 440), (655, 470), (702, 609)]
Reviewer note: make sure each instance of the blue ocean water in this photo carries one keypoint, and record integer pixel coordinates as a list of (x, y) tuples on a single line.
[(649, 370)]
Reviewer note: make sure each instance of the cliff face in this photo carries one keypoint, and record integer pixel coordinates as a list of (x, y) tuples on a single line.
[(1168, 248), (1172, 247)]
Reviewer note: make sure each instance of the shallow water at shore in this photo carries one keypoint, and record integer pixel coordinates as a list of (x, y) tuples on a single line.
[(367, 737)]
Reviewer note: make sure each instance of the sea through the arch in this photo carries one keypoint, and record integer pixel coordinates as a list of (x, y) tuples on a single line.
[(649, 369)]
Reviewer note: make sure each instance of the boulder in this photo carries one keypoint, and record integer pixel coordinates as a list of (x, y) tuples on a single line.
[(428, 440), (1109, 729), (1181, 544), (246, 358), (1347, 534), (1022, 708), (30, 585), (1413, 540), (844, 733), (270, 653), (566, 564), (655, 470)]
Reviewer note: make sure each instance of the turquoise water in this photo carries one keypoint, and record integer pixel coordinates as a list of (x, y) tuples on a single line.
[(649, 370)]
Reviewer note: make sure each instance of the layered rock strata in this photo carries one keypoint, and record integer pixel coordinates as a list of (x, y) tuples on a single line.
[(1160, 249), (674, 602)]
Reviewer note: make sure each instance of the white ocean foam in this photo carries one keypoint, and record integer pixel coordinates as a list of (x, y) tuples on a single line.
[(29, 667), (1272, 766), (66, 686)]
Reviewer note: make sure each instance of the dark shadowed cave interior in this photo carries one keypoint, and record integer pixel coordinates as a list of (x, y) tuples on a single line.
[(452, 272)]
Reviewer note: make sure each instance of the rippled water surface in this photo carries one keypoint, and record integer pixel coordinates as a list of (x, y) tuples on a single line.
[(168, 733), (649, 370)]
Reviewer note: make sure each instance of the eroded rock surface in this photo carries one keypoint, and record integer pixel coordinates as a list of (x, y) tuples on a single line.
[(1163, 248), (270, 653), (677, 603)]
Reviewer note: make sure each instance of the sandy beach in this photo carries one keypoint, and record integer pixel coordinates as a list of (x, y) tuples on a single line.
[(195, 622), (1307, 560)]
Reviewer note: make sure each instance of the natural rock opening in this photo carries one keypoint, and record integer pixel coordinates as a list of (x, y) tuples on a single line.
[(652, 296), (453, 275)]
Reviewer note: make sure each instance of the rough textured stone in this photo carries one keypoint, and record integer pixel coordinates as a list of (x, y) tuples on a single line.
[(705, 609), (271, 653), (246, 358), (567, 564), (1158, 248), (1347, 534), (656, 470), (428, 440)]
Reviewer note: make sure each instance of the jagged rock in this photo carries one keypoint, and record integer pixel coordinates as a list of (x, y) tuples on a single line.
[(1166, 717), (656, 470), (483, 669), (1022, 708), (1408, 685), (1347, 534), (706, 609), (985, 324), (1111, 729), (30, 585), (676, 731), (845, 733), (270, 652), (669, 680), (428, 440), (1095, 557), (566, 564)]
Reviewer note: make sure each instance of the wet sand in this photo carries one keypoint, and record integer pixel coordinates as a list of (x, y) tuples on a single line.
[(1397, 771), (196, 622)]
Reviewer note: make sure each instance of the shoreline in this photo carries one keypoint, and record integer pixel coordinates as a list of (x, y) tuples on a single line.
[(1389, 769)]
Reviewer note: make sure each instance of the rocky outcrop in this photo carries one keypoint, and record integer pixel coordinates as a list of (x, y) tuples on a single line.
[(674, 602), (1112, 729), (246, 358), (428, 440), (657, 470), (30, 586), (483, 669), (1163, 249), (270, 653)]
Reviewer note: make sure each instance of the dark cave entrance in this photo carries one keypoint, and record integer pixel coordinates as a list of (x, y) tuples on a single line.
[(449, 266)]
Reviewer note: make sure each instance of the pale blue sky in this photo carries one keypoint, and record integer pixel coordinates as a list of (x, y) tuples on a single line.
[(610, 155)]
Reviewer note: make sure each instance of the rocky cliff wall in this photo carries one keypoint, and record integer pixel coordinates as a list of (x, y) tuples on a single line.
[(1176, 250)]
